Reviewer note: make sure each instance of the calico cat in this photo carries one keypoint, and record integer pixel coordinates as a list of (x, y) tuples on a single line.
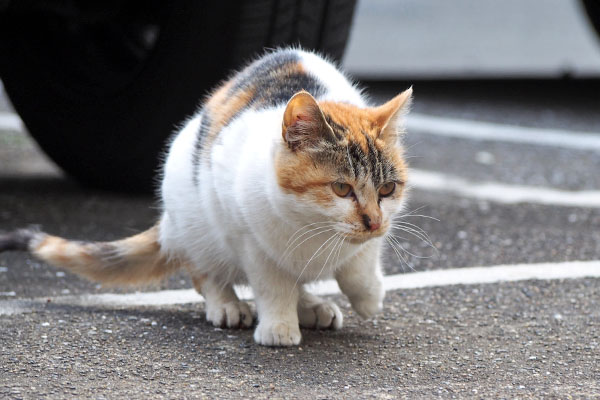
[(283, 177)]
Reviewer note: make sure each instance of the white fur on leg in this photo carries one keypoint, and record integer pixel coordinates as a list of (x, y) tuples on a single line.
[(315, 312), (276, 296), (223, 308), (232, 314), (361, 280), (368, 307), (272, 333)]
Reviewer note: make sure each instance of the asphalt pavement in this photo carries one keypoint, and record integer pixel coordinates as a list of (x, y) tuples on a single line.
[(525, 339)]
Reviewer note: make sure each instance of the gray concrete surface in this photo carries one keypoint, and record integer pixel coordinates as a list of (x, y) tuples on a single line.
[(472, 38)]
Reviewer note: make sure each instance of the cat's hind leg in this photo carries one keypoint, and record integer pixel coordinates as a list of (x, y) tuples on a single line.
[(317, 313), (223, 307)]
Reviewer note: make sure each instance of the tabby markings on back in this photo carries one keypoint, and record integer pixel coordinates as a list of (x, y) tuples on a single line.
[(268, 82)]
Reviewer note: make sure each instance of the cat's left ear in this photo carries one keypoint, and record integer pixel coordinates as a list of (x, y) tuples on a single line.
[(387, 116), (303, 122)]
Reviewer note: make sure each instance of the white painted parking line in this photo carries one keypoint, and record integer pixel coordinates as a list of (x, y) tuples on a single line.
[(474, 130), (455, 276), (10, 122), (501, 192)]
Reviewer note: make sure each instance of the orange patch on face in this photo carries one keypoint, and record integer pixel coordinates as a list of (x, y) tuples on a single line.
[(296, 173), (356, 121)]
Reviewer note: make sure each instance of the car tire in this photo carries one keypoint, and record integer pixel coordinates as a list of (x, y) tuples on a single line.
[(107, 127), (592, 9)]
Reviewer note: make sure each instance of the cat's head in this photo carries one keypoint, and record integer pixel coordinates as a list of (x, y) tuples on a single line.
[(345, 162)]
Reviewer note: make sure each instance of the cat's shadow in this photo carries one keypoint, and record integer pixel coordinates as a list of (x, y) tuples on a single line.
[(177, 327)]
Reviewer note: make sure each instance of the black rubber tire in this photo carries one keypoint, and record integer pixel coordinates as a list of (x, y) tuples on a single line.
[(592, 8), (112, 138)]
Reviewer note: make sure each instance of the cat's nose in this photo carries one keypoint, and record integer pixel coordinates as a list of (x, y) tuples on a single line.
[(371, 224)]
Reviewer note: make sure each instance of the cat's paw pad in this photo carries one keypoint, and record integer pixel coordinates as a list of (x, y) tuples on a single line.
[(234, 314), (367, 308), (325, 315), (277, 334)]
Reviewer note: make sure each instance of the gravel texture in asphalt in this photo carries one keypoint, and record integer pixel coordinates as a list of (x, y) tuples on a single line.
[(526, 339)]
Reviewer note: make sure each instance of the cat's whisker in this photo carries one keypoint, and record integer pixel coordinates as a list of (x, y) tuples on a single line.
[(400, 251), (393, 247), (427, 243), (311, 258), (413, 211), (318, 252), (415, 228), (418, 216), (406, 251), (401, 258), (406, 149), (418, 234), (421, 235), (346, 228), (337, 261), (412, 214), (403, 222), (415, 232), (289, 250), (421, 216), (286, 253), (333, 249), (297, 235), (412, 229), (304, 227), (397, 236)]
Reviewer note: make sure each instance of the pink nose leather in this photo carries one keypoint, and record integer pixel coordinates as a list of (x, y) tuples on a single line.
[(371, 224)]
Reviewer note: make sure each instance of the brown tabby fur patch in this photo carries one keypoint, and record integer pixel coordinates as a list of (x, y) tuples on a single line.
[(353, 121), (222, 108), (229, 100)]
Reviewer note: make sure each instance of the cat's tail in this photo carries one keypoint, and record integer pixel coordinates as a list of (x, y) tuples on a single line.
[(135, 260)]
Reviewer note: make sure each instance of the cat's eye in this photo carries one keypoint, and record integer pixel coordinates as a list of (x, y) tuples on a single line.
[(387, 189), (341, 189)]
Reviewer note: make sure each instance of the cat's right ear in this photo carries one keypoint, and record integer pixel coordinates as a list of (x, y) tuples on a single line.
[(303, 122)]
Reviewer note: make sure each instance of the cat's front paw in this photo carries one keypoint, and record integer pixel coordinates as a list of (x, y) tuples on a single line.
[(234, 314), (325, 315), (277, 334), (368, 307)]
